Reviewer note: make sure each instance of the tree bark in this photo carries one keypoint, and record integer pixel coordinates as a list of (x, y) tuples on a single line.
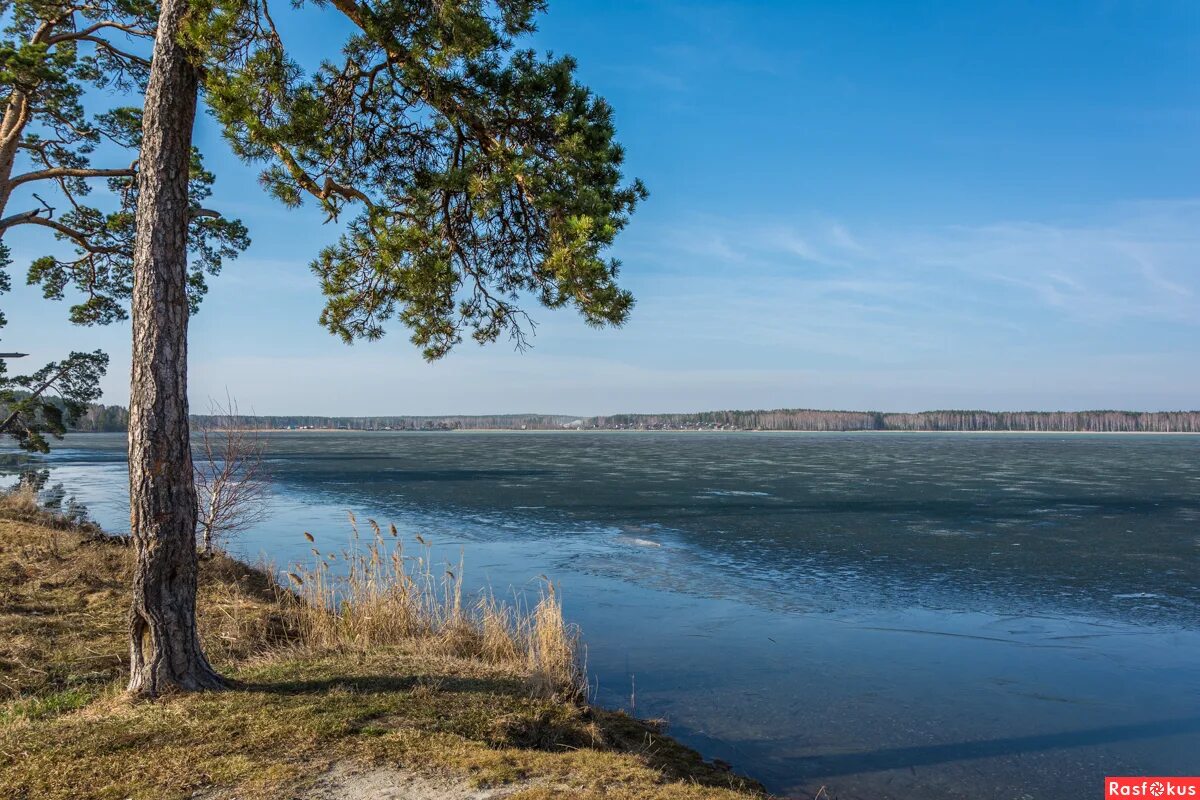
[(10, 137), (165, 649)]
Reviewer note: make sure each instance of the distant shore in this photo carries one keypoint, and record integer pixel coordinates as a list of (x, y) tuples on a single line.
[(700, 431), (790, 420)]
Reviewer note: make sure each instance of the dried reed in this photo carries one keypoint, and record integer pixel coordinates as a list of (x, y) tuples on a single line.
[(381, 595)]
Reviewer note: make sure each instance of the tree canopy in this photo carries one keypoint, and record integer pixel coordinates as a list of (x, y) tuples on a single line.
[(478, 174), (51, 55)]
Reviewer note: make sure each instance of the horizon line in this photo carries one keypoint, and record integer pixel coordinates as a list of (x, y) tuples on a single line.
[(764, 410)]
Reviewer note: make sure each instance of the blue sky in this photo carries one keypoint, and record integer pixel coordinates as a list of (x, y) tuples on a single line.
[(885, 205)]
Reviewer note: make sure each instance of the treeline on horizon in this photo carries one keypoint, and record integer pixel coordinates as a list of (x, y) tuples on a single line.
[(949, 420), (394, 423), (102, 418), (773, 420)]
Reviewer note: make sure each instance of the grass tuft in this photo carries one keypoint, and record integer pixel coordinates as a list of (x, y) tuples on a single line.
[(383, 596), (21, 503)]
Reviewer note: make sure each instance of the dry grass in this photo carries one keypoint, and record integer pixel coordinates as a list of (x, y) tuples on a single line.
[(64, 600), (324, 684), (21, 504), (381, 596)]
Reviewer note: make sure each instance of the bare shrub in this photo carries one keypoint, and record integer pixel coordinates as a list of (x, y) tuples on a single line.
[(232, 483)]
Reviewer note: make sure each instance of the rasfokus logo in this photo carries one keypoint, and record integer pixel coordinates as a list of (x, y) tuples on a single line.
[(1151, 787)]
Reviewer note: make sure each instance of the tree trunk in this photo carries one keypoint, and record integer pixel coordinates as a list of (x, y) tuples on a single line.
[(10, 136), (165, 648)]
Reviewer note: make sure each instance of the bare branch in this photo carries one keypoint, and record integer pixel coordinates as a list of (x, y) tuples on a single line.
[(232, 483), (18, 219), (78, 237), (86, 33), (71, 172), (104, 44)]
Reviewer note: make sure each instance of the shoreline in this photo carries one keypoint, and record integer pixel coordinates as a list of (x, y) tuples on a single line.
[(425, 718)]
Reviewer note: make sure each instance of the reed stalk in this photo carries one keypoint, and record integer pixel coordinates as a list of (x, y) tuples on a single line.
[(382, 594)]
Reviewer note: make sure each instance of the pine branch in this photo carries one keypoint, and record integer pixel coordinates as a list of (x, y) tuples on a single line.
[(78, 237), (104, 44), (71, 172), (87, 33)]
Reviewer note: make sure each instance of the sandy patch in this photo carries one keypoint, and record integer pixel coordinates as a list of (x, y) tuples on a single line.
[(389, 783)]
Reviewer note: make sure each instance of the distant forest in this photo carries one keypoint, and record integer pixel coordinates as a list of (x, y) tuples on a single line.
[(116, 418), (794, 419), (408, 423)]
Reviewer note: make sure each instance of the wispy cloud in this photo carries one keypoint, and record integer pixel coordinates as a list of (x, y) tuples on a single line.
[(1143, 263)]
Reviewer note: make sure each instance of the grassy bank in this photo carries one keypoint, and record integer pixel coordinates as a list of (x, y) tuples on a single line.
[(453, 700)]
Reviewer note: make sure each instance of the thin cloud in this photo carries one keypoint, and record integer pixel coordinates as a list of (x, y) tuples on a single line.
[(1144, 265)]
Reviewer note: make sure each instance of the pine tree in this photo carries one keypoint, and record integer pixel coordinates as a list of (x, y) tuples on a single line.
[(476, 174)]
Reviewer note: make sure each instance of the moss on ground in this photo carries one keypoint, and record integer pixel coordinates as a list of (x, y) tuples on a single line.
[(67, 731)]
